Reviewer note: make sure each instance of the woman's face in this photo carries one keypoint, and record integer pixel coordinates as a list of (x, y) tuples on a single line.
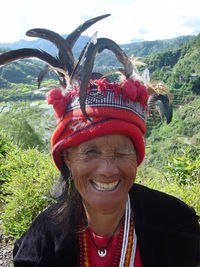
[(103, 170)]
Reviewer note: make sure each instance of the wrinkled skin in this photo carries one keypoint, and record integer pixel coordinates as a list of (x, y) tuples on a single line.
[(106, 159)]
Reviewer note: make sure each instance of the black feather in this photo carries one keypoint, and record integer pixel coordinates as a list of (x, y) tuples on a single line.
[(101, 44), (23, 53), (162, 104)]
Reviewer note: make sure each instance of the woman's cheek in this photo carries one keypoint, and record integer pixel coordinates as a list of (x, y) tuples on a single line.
[(81, 176), (129, 165)]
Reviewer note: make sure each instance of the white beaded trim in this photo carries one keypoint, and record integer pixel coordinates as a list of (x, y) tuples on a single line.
[(125, 237)]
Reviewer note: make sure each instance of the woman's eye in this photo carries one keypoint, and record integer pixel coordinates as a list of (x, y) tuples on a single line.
[(91, 152), (120, 155), (123, 154)]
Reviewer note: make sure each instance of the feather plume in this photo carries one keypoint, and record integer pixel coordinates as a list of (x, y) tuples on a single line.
[(157, 87), (77, 67), (162, 105)]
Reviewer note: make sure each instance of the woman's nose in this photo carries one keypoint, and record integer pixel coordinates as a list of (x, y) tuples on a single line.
[(107, 167)]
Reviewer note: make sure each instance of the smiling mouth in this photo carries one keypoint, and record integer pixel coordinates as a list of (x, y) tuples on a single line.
[(105, 186)]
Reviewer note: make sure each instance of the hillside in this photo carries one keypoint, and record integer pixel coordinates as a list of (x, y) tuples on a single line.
[(179, 68), (146, 48), (167, 140)]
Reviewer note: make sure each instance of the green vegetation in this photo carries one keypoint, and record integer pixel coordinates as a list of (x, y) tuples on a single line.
[(172, 161), (184, 130), (5, 147), (17, 124), (185, 169), (28, 176)]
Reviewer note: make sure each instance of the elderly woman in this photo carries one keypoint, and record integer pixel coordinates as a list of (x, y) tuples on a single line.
[(103, 218)]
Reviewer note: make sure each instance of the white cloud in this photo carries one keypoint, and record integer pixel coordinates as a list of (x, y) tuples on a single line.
[(141, 19)]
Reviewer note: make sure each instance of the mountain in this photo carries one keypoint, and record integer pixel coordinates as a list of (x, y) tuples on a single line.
[(139, 48), (146, 48), (44, 45)]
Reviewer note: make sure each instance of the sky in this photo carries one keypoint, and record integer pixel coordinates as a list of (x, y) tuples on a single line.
[(130, 19)]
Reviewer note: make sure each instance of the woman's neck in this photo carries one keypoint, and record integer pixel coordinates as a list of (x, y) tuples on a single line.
[(104, 223)]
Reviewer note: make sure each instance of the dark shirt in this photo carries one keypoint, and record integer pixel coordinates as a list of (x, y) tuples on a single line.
[(167, 235)]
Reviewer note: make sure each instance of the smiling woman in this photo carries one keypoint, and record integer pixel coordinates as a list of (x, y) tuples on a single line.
[(102, 217)]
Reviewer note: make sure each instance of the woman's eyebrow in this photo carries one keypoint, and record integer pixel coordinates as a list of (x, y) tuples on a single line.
[(87, 147), (125, 148)]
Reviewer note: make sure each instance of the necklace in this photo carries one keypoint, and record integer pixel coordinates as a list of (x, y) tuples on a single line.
[(125, 252), (102, 251)]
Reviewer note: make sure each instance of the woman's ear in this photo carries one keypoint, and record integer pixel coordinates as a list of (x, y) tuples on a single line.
[(66, 158)]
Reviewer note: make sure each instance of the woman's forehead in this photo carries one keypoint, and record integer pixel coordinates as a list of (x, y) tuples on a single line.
[(108, 142)]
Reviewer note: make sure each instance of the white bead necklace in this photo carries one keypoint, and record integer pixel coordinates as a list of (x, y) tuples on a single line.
[(125, 237)]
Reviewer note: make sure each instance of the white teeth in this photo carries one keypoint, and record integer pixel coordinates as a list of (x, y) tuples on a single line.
[(104, 186)]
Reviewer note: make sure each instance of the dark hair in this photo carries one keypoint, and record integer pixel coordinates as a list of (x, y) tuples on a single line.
[(68, 210)]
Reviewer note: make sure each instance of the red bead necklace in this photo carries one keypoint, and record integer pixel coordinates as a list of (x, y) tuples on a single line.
[(83, 247)]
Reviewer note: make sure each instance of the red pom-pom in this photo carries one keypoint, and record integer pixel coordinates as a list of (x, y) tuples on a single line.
[(130, 89), (136, 91), (56, 98), (142, 95)]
